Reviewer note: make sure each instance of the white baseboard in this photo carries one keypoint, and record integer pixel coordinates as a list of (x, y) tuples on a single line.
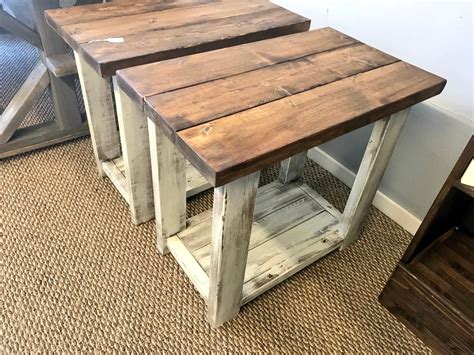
[(390, 208)]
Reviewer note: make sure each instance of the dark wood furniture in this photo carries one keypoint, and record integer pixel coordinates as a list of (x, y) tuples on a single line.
[(235, 111), (432, 289), (112, 36)]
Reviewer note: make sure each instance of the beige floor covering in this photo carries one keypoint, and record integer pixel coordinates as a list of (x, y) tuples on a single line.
[(76, 275)]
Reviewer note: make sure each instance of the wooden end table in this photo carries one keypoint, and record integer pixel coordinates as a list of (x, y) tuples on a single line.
[(111, 36), (247, 108)]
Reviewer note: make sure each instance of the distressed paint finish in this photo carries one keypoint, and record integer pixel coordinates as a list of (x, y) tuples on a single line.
[(231, 227), (169, 186), (376, 157), (99, 104), (133, 127), (291, 169)]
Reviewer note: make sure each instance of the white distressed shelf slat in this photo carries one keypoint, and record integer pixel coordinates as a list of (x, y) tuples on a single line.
[(115, 171), (293, 226)]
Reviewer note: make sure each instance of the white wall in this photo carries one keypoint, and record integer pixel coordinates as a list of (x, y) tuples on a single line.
[(436, 36)]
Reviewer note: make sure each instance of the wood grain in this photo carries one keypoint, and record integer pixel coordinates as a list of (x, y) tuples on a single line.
[(236, 145), (158, 20), (89, 13), (143, 48), (245, 91), (423, 311), (432, 289), (286, 239), (155, 78), (148, 33)]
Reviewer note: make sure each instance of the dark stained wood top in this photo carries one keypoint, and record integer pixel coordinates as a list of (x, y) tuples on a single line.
[(150, 31), (239, 110)]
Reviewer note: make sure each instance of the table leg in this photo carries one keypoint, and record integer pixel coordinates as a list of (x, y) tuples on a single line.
[(292, 168), (133, 129), (231, 227), (169, 186), (99, 104), (376, 157)]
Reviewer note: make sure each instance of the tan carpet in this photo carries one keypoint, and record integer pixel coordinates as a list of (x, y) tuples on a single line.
[(76, 275)]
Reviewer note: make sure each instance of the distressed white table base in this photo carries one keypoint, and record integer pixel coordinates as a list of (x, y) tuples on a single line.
[(122, 152), (230, 260), (115, 170), (291, 228)]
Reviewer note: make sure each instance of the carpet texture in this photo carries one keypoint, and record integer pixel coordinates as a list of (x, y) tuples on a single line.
[(76, 275)]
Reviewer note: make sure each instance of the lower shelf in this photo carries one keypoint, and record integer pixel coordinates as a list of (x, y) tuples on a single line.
[(115, 170), (447, 267), (293, 227)]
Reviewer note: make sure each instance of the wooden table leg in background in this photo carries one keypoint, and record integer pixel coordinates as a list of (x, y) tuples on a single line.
[(292, 168)]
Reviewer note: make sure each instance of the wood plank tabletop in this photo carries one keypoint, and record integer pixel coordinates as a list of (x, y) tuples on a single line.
[(238, 110), (114, 36)]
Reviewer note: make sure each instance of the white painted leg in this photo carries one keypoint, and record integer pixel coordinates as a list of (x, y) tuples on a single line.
[(133, 128), (169, 186), (99, 103), (292, 168), (231, 227), (376, 157)]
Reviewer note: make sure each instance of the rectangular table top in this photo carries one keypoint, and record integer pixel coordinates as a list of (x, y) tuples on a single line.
[(238, 110), (114, 36)]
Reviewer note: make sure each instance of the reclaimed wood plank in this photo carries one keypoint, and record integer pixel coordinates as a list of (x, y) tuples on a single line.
[(61, 17), (422, 310), (86, 32), (109, 56), (319, 200), (190, 266), (289, 258), (282, 243), (117, 178), (278, 222), (244, 91), (236, 145), (155, 78), (271, 217), (61, 65)]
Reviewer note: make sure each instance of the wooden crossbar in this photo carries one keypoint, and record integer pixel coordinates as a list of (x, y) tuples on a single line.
[(23, 101)]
